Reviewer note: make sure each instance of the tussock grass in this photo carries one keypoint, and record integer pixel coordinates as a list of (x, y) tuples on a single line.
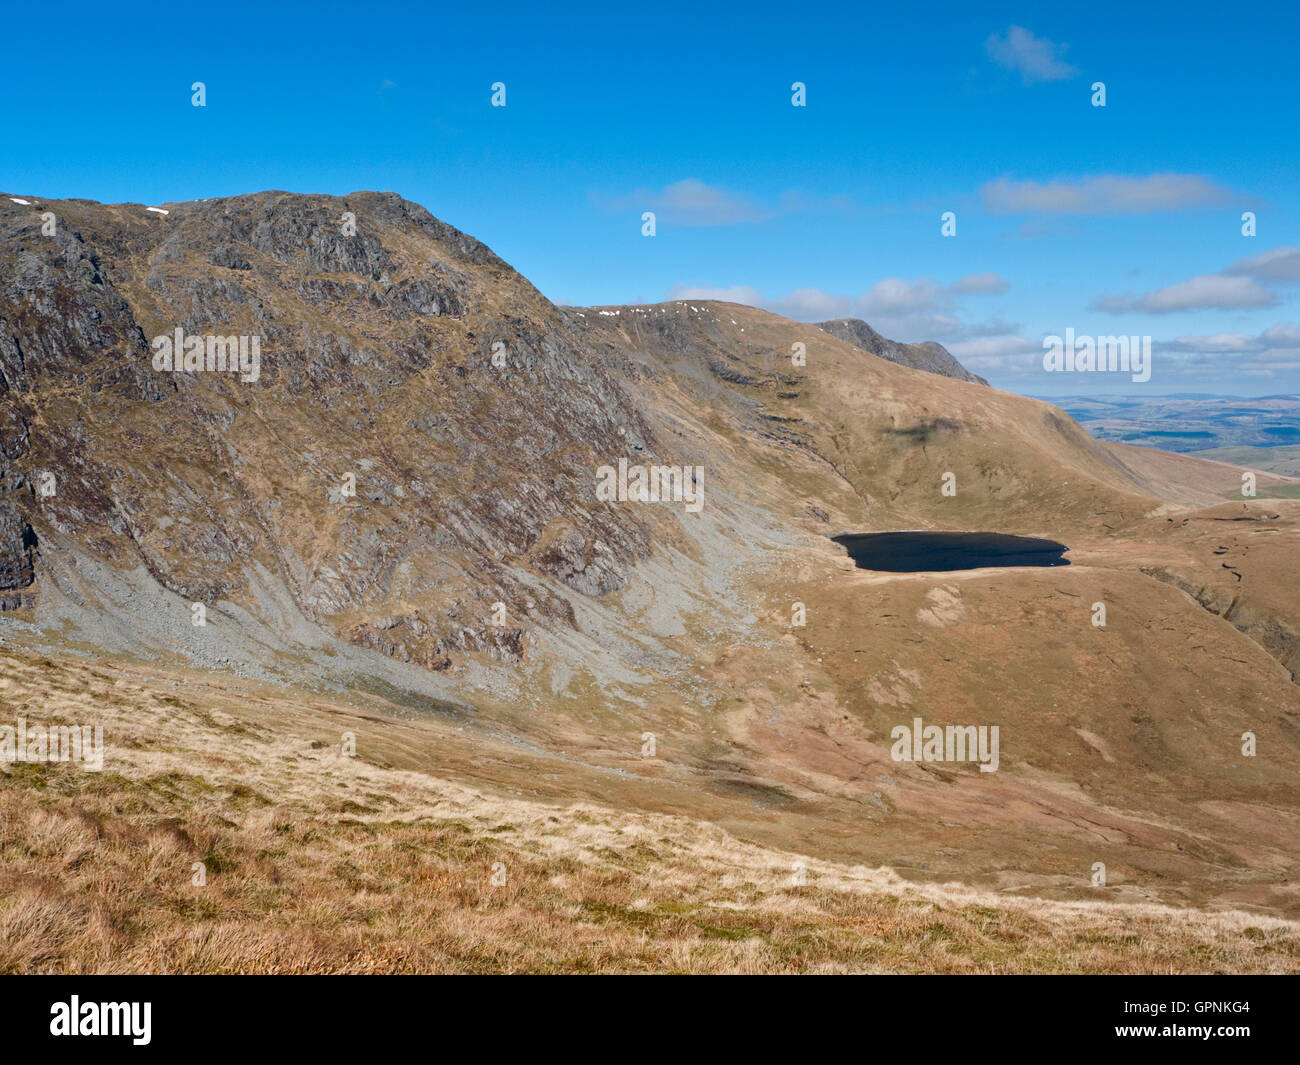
[(320, 863)]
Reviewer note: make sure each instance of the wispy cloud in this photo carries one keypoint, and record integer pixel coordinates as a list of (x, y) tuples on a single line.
[(993, 350), (1219, 343), (980, 284), (1207, 292), (691, 202), (751, 297), (1241, 285), (1280, 264), (1035, 59), (1283, 337), (895, 297), (901, 309), (1193, 358), (1104, 194), (811, 305), (1275, 350)]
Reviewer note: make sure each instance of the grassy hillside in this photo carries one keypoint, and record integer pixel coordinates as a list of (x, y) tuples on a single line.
[(319, 863)]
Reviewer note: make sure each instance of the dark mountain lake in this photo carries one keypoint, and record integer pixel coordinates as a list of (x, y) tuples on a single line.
[(919, 552)]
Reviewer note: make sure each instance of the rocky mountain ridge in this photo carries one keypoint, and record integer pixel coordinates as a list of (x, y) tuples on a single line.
[(929, 356)]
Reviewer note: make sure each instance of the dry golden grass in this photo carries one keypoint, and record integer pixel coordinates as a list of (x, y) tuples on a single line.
[(320, 863)]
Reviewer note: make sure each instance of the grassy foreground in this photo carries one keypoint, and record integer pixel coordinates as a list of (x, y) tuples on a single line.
[(317, 862)]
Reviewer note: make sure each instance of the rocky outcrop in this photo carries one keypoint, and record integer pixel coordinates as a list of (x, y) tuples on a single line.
[(17, 544), (928, 356)]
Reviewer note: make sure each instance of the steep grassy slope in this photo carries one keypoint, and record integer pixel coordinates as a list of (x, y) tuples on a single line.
[(890, 435)]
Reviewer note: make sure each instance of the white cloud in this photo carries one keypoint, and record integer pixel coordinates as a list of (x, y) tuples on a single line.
[(1103, 194), (901, 309), (982, 284), (1282, 335), (910, 328), (689, 202), (1033, 58), (1207, 292), (811, 305), (1225, 343), (1196, 361), (1226, 355), (923, 309), (1280, 264), (995, 348), (751, 297), (894, 296)]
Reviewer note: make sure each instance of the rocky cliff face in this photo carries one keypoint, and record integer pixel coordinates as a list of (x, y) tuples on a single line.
[(420, 416), (928, 356)]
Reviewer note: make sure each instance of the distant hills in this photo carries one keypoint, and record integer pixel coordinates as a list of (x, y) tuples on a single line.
[(1284, 459), (1189, 422)]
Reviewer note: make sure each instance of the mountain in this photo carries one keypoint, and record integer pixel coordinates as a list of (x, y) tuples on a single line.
[(396, 525), (929, 356)]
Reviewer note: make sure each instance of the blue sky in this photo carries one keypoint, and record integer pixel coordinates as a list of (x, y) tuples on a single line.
[(1117, 220)]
